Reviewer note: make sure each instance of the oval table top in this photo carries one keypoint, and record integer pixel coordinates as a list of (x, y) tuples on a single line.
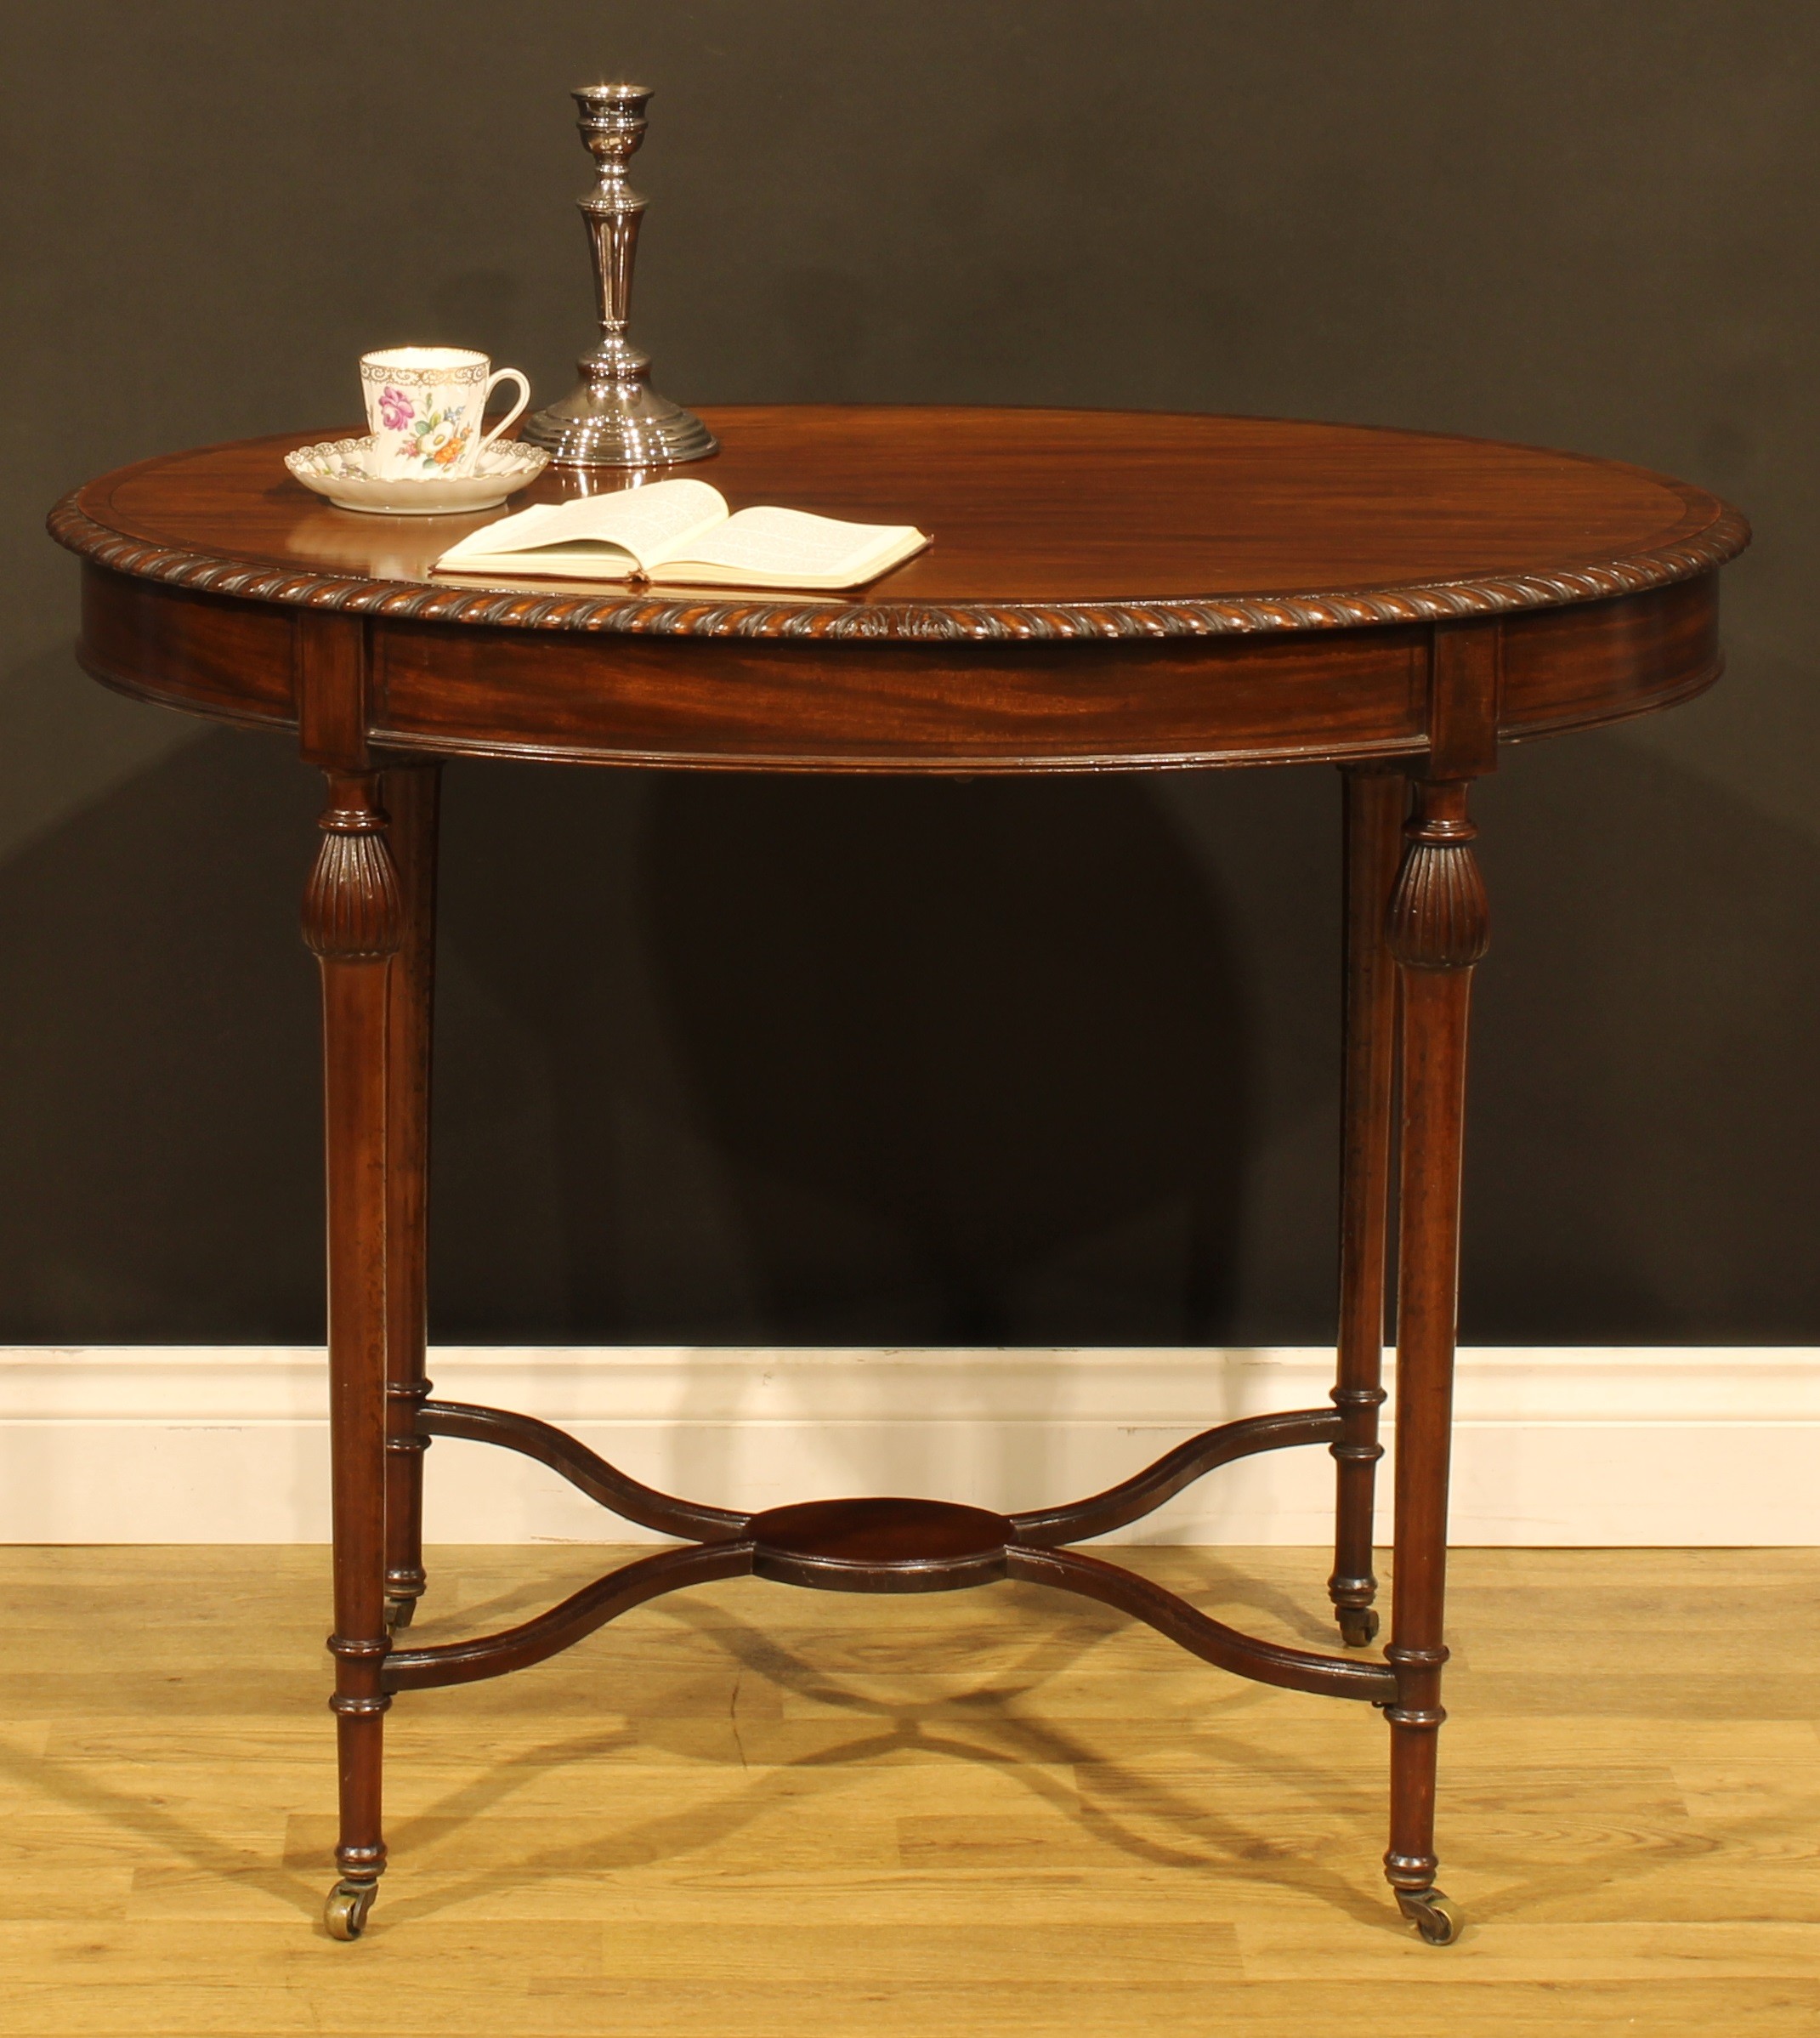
[(1306, 563)]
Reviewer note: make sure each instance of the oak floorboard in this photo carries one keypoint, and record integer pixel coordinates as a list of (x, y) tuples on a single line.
[(991, 1815)]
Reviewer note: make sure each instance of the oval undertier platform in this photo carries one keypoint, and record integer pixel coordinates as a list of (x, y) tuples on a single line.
[(880, 1545)]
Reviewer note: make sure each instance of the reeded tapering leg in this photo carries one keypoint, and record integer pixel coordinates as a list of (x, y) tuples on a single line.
[(410, 794), (352, 919), (1438, 929), (1375, 802)]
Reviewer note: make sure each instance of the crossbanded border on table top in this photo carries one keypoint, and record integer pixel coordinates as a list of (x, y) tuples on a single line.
[(974, 622)]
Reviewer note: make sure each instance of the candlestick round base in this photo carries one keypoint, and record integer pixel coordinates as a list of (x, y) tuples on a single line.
[(623, 424)]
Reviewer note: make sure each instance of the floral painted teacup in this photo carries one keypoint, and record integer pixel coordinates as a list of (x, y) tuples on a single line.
[(425, 405)]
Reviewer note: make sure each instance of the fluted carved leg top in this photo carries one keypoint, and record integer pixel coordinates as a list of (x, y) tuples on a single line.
[(352, 909), (1439, 916)]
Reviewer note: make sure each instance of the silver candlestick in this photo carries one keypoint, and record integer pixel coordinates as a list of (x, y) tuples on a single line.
[(613, 418)]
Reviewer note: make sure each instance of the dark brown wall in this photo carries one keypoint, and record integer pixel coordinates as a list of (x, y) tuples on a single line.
[(888, 1061)]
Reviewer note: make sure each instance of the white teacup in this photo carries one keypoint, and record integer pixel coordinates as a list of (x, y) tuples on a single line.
[(425, 405)]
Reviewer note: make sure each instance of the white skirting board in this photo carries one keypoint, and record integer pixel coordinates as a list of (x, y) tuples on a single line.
[(1681, 1446)]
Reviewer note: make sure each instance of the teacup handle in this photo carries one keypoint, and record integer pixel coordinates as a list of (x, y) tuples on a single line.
[(517, 412)]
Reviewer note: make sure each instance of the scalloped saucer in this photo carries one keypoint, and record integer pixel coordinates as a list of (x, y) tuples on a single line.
[(334, 469)]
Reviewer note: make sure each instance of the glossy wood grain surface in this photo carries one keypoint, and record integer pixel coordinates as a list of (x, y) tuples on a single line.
[(1030, 506), (1106, 589)]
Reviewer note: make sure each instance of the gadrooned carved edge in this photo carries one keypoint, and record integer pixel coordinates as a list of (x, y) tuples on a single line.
[(973, 623)]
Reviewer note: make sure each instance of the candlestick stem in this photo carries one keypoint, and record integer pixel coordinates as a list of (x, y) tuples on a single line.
[(613, 418)]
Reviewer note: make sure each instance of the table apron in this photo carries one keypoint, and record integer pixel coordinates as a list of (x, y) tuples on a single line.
[(593, 698)]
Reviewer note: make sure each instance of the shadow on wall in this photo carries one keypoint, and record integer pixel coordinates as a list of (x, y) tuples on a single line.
[(906, 1059), (159, 1171), (729, 1058), (1645, 1119), (1003, 1019)]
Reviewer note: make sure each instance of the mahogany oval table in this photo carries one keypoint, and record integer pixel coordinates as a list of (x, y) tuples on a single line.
[(1107, 592)]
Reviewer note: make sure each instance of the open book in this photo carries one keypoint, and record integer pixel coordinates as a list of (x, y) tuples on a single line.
[(680, 530)]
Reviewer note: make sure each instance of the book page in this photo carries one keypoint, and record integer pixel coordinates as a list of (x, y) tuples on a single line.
[(648, 524), (789, 548)]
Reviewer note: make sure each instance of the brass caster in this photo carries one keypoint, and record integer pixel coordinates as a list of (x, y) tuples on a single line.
[(1358, 1626), (1433, 1913), (345, 1911), (398, 1613)]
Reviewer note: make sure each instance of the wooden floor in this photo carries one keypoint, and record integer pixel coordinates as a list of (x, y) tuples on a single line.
[(774, 1814)]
